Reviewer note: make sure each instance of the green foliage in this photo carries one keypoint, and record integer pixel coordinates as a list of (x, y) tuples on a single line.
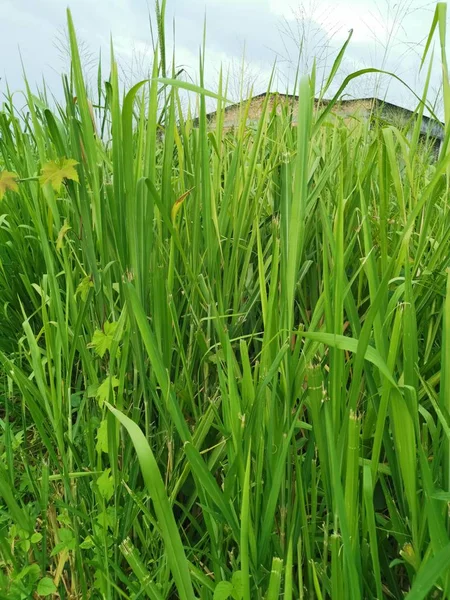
[(46, 587), (223, 590), (102, 393), (103, 338), (84, 286), (225, 355), (105, 485)]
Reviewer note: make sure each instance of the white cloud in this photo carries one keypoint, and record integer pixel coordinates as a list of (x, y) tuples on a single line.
[(231, 24), (336, 18)]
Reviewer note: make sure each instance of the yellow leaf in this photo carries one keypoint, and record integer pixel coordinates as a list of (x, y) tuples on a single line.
[(62, 232), (8, 181), (178, 204), (56, 171)]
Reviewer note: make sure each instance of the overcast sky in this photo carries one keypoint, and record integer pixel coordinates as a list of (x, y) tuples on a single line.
[(387, 35)]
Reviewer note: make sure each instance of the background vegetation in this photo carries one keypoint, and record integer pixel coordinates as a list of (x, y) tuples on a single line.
[(225, 356)]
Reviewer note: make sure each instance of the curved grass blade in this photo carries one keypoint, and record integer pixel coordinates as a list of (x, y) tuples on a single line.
[(176, 557), (429, 575), (351, 345)]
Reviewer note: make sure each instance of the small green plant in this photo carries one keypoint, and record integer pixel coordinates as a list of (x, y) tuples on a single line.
[(230, 589)]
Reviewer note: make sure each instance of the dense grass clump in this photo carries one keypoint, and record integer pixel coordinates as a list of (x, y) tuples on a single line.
[(225, 356)]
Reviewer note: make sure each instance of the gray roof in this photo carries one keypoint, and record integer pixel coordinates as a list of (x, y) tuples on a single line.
[(429, 126)]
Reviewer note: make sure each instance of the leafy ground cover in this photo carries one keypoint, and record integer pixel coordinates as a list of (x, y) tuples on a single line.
[(225, 356)]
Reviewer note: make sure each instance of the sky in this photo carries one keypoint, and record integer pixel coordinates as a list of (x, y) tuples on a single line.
[(244, 37)]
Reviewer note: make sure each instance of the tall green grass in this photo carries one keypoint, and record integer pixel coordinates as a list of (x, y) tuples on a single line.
[(224, 355)]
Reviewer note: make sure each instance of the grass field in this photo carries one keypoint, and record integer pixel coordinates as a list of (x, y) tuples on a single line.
[(224, 356)]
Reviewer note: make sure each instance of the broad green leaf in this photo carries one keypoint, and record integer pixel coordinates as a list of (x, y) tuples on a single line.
[(106, 518), (102, 436), (105, 485), (46, 587), (223, 590), (103, 338), (31, 572), (100, 582), (66, 541), (102, 393), (238, 586), (84, 286), (87, 543)]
